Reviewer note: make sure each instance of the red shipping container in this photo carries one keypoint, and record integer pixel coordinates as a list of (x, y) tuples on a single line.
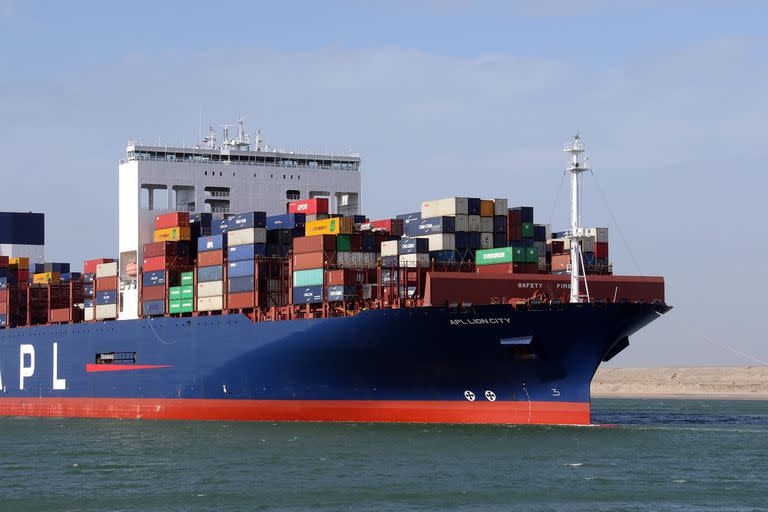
[(240, 300), (89, 266), (318, 243), (346, 277), (3, 261), (106, 283), (60, 315), (23, 275), (514, 218), (601, 250), (210, 258), (561, 262), (153, 293), (310, 260), (514, 233), (3, 295), (155, 249), (156, 263), (391, 226), (171, 220), (3, 308), (558, 247), (309, 206)]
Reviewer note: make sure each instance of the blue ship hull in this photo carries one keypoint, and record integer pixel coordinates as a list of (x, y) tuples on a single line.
[(483, 364)]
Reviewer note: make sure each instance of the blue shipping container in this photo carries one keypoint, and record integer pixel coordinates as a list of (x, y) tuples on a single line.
[(341, 293), (389, 261), (3, 320), (88, 303), (211, 243), (473, 240), (208, 274), (104, 297), (3, 283), (56, 267), (240, 268), (153, 307), (22, 228), (203, 219), (38, 268), (443, 256), (540, 232), (241, 284), (247, 220), (260, 249), (88, 278), (430, 226), (156, 278), (500, 224), (369, 244), (473, 206), (409, 218), (416, 245), (88, 290), (286, 221), (500, 240), (307, 294), (241, 253)]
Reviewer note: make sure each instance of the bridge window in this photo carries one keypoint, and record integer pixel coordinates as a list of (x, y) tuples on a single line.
[(293, 195)]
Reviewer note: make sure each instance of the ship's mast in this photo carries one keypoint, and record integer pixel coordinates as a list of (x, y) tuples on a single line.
[(576, 235)]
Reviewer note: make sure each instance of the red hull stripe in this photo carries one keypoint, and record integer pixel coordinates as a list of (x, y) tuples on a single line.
[(121, 367), (401, 411)]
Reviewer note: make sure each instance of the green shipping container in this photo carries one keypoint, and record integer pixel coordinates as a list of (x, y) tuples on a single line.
[(174, 292), (491, 256), (187, 305), (527, 230), (518, 254), (187, 278), (531, 255), (312, 277), (188, 292), (174, 306), (343, 243)]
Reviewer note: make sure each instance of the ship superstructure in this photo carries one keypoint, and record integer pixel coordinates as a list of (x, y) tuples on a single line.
[(241, 174)]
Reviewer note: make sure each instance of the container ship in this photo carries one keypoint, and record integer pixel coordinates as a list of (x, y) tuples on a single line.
[(249, 287)]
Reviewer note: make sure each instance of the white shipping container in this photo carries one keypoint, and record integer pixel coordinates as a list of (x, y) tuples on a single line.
[(248, 236), (414, 260), (462, 223), (474, 223), (486, 224), (370, 260), (368, 290), (106, 269), (500, 207), (599, 234), (390, 248), (210, 289), (106, 311), (445, 207), (210, 303), (441, 242), (88, 314), (542, 263), (486, 240)]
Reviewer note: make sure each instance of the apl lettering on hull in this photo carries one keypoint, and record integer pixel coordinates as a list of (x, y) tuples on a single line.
[(27, 367)]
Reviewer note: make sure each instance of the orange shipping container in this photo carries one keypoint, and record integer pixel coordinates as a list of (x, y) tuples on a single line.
[(334, 226), (486, 208), (240, 300), (175, 234), (311, 260), (106, 283), (210, 258)]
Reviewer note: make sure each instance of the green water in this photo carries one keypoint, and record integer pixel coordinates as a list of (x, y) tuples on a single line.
[(663, 455)]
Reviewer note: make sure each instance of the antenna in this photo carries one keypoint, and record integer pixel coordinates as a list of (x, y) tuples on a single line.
[(577, 234)]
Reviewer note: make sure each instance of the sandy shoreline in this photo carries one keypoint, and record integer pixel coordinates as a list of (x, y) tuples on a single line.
[(713, 382)]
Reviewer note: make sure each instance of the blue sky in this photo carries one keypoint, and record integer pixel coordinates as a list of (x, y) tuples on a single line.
[(441, 98)]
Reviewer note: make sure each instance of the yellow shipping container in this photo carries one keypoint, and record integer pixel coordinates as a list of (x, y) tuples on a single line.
[(173, 234), (486, 208), (334, 226), (46, 277), (23, 263)]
